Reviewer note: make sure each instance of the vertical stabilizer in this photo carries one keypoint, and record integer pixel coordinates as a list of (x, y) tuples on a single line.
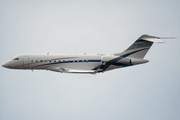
[(140, 47)]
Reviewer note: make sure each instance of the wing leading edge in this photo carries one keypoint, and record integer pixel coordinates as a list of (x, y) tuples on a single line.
[(69, 70)]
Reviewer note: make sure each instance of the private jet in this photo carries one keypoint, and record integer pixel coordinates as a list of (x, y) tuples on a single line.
[(91, 64)]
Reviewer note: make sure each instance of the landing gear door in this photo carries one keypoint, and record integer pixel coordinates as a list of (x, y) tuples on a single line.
[(26, 62)]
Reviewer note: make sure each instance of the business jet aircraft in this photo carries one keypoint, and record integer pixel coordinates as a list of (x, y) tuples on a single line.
[(133, 55)]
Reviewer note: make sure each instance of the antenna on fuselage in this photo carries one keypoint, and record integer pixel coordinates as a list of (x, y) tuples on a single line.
[(84, 53), (48, 53)]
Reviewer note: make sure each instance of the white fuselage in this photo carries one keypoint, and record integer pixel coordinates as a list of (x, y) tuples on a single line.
[(80, 63), (133, 55)]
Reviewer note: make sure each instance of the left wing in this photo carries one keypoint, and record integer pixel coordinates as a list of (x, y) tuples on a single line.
[(69, 70)]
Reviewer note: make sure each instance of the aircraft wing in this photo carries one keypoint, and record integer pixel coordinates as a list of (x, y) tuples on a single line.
[(81, 71), (69, 70)]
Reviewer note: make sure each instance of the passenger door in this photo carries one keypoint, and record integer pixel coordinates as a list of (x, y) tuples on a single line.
[(26, 62)]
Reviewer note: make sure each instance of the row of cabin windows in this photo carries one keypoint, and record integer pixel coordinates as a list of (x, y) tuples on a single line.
[(60, 61)]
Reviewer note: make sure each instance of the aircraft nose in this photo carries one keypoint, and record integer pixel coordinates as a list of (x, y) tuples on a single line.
[(6, 65)]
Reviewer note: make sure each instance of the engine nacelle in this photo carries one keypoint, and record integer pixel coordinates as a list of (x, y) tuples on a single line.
[(135, 61), (132, 61), (125, 61), (108, 58)]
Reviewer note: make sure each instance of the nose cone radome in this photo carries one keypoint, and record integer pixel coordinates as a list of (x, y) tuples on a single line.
[(6, 65)]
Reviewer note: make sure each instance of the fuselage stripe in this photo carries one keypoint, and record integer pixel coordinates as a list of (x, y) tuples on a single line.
[(79, 61)]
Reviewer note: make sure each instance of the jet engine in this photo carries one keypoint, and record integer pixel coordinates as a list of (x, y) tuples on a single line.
[(125, 61), (132, 61)]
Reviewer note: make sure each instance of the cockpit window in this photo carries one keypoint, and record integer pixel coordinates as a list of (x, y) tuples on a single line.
[(16, 59)]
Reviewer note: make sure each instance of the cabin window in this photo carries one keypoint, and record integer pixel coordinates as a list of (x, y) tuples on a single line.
[(69, 61), (59, 60), (41, 61), (31, 60), (87, 61), (55, 61), (16, 59), (63, 61), (36, 60), (50, 61)]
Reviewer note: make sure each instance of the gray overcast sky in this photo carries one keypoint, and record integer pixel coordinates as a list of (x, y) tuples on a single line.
[(143, 92)]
